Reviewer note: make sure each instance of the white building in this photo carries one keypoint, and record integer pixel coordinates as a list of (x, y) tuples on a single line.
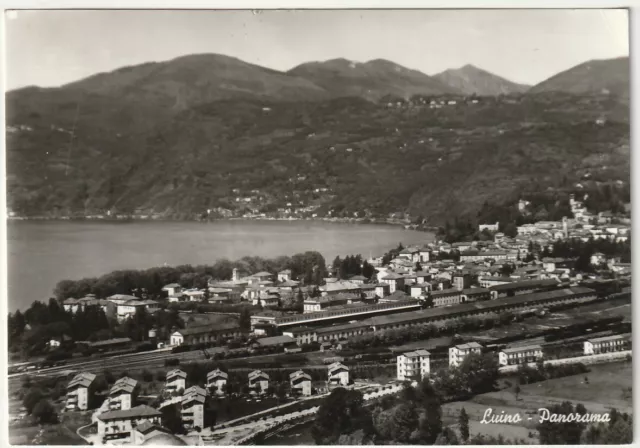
[(300, 383), (338, 374), (458, 353), (194, 295), (79, 391), (119, 424), (216, 381), (129, 308), (172, 289), (606, 344), (413, 364), (489, 227), (192, 407), (284, 276), (519, 355), (176, 380), (122, 394), (395, 281), (258, 382)]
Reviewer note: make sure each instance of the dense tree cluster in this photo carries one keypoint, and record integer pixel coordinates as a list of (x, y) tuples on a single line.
[(352, 265), (31, 331), (618, 431), (542, 371), (413, 417), (582, 251)]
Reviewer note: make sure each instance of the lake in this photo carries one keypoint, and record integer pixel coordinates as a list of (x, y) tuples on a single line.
[(41, 253)]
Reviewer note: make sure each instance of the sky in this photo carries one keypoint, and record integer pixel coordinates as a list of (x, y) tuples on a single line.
[(52, 48)]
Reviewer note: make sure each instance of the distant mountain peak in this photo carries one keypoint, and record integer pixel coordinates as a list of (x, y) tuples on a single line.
[(473, 80)]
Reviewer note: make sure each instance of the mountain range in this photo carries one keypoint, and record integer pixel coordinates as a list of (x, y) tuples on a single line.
[(182, 136)]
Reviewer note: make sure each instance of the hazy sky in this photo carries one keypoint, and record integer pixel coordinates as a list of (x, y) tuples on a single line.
[(51, 48)]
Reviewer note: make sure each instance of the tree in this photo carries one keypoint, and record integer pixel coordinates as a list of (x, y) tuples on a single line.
[(342, 412), (32, 398), (44, 412), (463, 421), (430, 424), (397, 424), (447, 437), (281, 391), (245, 319), (479, 372), (562, 433), (147, 376), (511, 230), (618, 431), (335, 266), (16, 325)]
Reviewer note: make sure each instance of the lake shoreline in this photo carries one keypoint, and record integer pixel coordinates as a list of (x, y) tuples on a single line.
[(403, 223), (74, 249)]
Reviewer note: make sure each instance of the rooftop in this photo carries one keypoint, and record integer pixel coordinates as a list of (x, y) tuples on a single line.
[(82, 379), (275, 340), (258, 374), (472, 306), (176, 372), (468, 345), (344, 327), (202, 329), (526, 284), (471, 291), (417, 353), (299, 374), (217, 373), (614, 337), (136, 412), (523, 348)]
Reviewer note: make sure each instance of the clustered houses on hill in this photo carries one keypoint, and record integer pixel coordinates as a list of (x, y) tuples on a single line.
[(262, 288), (121, 420), (121, 306)]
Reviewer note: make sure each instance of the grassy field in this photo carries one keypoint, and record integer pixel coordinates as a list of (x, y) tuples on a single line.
[(27, 432), (608, 386)]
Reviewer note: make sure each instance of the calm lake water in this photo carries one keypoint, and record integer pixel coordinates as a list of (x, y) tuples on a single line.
[(41, 253)]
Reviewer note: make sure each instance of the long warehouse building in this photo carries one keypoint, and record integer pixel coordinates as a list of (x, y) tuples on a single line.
[(423, 316)]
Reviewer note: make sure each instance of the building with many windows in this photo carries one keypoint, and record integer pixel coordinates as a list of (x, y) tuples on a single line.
[(446, 297), (300, 383), (519, 355), (176, 380), (79, 391), (458, 353), (338, 374), (216, 381), (118, 424), (415, 364), (258, 382), (607, 344), (123, 394), (192, 407)]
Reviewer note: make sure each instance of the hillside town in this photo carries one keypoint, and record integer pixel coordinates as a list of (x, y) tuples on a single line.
[(436, 288), (319, 227)]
